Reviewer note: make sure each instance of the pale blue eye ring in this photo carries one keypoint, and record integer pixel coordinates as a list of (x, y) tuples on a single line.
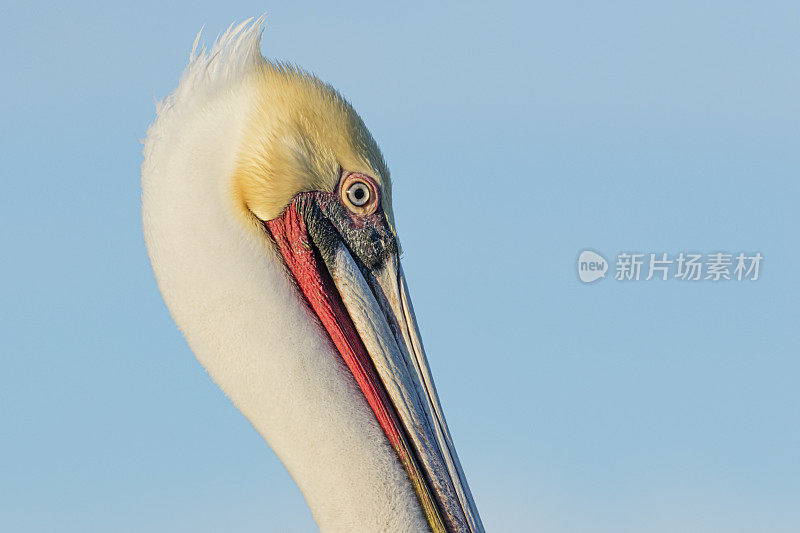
[(358, 194)]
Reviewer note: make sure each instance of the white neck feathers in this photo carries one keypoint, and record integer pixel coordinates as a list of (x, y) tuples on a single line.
[(246, 322)]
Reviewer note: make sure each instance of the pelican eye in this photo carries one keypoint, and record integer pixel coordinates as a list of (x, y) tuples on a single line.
[(358, 194)]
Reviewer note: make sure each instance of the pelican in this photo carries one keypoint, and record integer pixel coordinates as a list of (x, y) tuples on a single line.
[(267, 214)]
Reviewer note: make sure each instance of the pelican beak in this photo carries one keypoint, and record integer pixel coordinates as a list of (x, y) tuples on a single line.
[(367, 313)]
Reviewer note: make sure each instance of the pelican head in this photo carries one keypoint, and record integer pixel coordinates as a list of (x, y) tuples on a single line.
[(268, 218)]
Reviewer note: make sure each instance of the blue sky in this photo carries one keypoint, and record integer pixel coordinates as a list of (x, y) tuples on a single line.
[(518, 134)]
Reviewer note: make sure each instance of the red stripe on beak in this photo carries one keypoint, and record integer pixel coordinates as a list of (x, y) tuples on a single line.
[(291, 236)]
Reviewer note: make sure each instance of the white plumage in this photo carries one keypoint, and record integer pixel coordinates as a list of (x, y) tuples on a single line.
[(237, 307)]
